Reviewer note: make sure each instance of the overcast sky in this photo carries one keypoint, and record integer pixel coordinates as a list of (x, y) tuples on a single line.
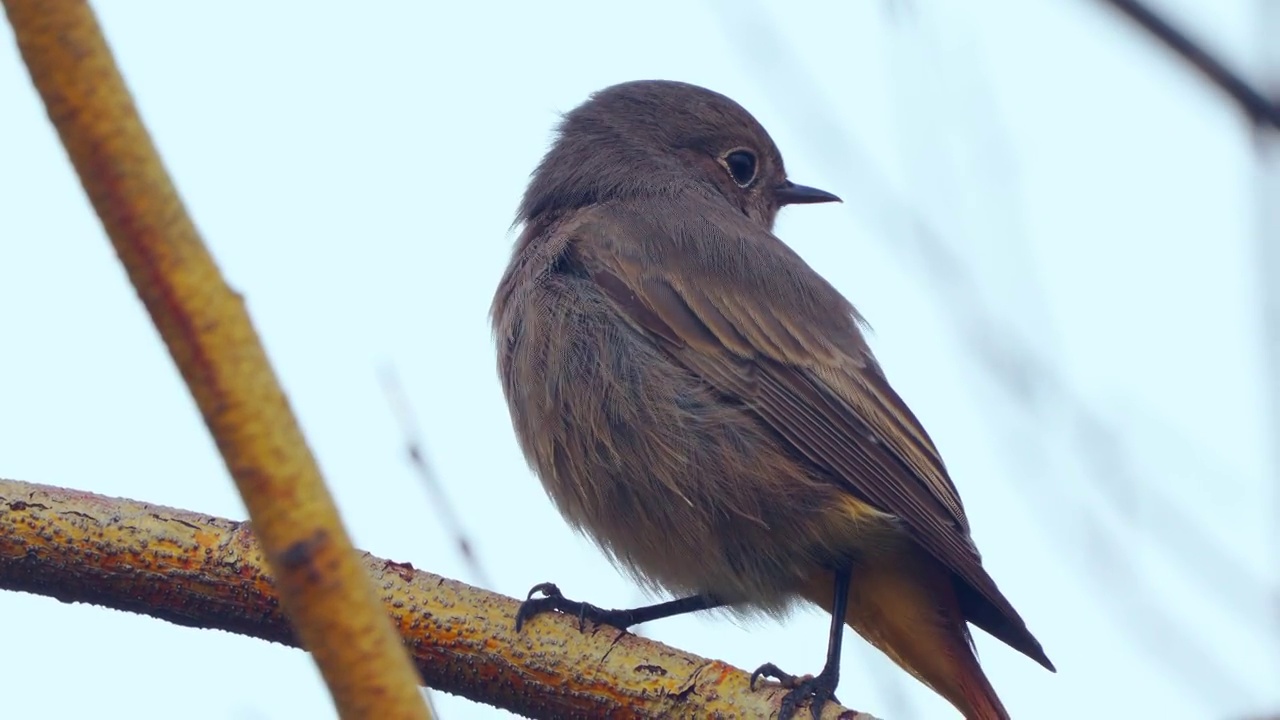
[(1076, 324)]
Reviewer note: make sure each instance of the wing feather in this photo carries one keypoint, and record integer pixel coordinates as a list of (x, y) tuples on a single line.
[(808, 373)]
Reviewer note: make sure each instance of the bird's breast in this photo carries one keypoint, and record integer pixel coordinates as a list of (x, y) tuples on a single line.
[(679, 483)]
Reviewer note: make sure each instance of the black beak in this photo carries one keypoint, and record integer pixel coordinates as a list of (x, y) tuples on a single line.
[(790, 193)]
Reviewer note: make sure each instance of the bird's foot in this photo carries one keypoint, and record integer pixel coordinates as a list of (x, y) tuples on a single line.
[(817, 689), (552, 599)]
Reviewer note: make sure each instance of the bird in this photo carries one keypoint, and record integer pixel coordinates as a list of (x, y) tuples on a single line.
[(704, 405)]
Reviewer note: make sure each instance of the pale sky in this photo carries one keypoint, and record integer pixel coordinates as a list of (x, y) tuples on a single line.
[(355, 173)]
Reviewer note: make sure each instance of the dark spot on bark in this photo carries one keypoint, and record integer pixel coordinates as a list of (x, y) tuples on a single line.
[(404, 570), (303, 552)]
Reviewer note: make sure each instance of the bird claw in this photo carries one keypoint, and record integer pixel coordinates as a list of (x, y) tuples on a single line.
[(770, 670), (817, 689), (552, 599)]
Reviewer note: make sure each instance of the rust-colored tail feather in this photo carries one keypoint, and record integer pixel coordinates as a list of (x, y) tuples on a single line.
[(903, 602)]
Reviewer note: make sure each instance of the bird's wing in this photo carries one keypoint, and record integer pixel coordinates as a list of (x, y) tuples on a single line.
[(745, 313)]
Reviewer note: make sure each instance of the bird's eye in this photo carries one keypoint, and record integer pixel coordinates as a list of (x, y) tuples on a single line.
[(742, 166)]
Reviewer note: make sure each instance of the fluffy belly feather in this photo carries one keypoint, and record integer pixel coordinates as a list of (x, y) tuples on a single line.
[(696, 502)]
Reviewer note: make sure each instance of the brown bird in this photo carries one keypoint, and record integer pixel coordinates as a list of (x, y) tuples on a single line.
[(704, 405)]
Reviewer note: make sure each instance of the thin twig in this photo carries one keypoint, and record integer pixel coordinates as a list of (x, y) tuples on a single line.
[(1251, 101), (1029, 381), (417, 453)]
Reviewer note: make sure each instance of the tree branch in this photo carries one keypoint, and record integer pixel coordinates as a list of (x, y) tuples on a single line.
[(208, 572), (212, 341), (1254, 104)]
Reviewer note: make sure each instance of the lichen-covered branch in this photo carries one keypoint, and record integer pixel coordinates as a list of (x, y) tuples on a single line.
[(203, 571), (208, 332)]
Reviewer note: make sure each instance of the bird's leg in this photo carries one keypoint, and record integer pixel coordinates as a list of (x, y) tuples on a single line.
[(622, 619), (820, 688)]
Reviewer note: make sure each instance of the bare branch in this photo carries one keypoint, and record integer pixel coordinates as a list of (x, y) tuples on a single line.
[(1254, 104), (212, 340), (201, 571)]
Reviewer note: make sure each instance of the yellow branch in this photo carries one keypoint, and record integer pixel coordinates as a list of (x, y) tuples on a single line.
[(202, 571), (321, 582)]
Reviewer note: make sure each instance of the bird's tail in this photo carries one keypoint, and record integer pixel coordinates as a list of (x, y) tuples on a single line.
[(903, 602)]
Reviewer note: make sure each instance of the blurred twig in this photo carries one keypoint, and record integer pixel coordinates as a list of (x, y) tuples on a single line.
[(400, 406), (1157, 631), (1252, 102), (417, 454), (1267, 247), (1146, 506), (1077, 526), (1012, 363)]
